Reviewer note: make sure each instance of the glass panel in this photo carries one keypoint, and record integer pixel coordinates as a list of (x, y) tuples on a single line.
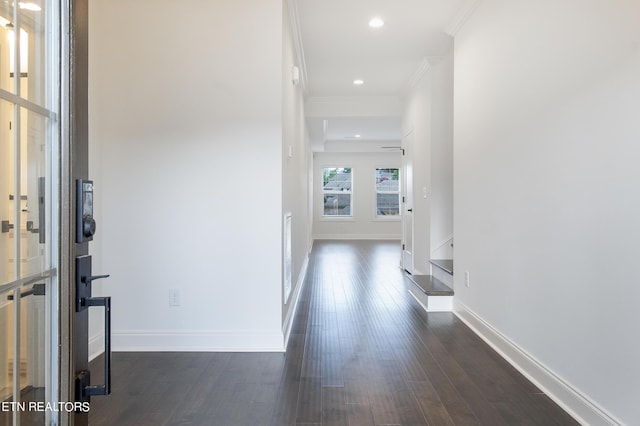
[(6, 45), (28, 315), (387, 192), (7, 197), (32, 351), (388, 205), (337, 182), (33, 46), (33, 160), (33, 49), (337, 204)]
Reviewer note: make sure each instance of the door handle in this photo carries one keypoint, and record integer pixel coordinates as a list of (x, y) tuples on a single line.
[(83, 387), (36, 290), (410, 210), (6, 226), (31, 228), (90, 278), (84, 300)]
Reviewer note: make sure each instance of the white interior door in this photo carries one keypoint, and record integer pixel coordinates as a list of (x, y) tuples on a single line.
[(407, 202)]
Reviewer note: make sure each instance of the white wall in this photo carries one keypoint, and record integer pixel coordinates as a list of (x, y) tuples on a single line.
[(186, 105), (441, 75), (546, 198), (296, 168), (363, 224), (428, 117), (417, 122)]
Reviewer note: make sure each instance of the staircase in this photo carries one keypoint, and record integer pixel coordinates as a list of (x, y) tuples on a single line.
[(434, 292)]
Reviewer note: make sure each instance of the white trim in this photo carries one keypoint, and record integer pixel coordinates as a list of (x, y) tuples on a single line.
[(418, 75), (295, 298), (337, 219), (358, 237), (287, 258), (443, 243), (462, 17), (298, 47), (197, 341), (578, 405)]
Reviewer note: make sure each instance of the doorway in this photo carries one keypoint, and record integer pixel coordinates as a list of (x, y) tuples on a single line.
[(407, 202)]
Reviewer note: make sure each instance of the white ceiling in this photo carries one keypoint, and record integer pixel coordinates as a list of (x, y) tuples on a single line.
[(339, 47)]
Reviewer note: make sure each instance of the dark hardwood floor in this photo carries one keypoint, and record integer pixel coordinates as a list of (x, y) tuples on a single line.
[(361, 352)]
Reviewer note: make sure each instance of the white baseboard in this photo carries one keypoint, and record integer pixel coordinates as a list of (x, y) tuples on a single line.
[(293, 303), (197, 341), (578, 405), (357, 237)]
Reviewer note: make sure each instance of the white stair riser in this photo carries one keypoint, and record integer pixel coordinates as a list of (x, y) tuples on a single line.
[(432, 303)]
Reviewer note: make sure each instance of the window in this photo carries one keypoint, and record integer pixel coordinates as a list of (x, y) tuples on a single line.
[(387, 192), (337, 191)]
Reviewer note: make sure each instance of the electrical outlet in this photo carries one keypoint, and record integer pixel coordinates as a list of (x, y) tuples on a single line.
[(174, 297), (466, 279)]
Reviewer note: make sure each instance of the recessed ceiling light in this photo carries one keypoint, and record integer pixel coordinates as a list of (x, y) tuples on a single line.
[(376, 22), (356, 136), (358, 82)]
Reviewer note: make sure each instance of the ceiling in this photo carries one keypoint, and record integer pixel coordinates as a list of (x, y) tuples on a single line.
[(339, 47)]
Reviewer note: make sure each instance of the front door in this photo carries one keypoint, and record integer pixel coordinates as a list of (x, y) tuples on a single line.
[(44, 376)]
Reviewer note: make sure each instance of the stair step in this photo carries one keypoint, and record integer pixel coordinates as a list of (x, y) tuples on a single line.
[(430, 285), (444, 264)]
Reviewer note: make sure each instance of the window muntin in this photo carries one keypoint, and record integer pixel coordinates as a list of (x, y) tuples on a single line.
[(337, 183), (387, 192)]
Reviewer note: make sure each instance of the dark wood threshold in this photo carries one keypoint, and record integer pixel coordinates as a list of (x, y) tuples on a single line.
[(430, 285), (444, 264)]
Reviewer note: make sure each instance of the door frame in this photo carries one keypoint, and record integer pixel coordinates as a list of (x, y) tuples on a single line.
[(74, 161)]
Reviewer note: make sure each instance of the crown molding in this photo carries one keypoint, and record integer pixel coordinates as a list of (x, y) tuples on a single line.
[(296, 34), (462, 17), (418, 74)]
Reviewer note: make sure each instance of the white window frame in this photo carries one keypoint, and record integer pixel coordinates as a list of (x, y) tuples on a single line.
[(376, 192), (323, 192)]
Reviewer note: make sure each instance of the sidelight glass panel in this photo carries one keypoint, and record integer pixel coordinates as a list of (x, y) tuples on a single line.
[(28, 190), (34, 146), (7, 196)]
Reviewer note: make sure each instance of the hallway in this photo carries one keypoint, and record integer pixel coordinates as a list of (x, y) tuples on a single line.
[(362, 352)]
